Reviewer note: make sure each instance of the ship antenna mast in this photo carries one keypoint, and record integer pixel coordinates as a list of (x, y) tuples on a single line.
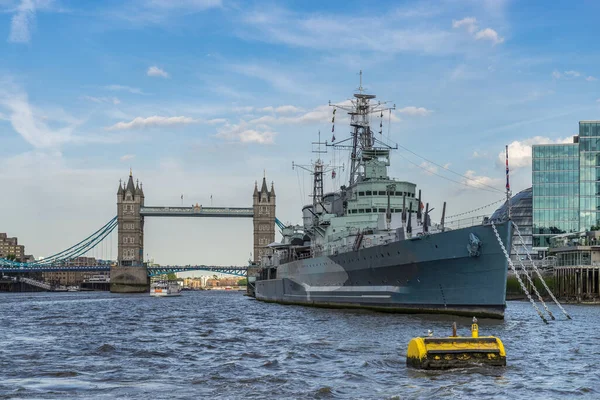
[(360, 88), (362, 143), (507, 186), (317, 169)]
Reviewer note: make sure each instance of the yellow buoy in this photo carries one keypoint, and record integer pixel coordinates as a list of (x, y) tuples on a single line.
[(455, 351)]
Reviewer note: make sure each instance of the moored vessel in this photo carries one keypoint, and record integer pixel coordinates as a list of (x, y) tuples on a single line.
[(165, 289), (373, 244)]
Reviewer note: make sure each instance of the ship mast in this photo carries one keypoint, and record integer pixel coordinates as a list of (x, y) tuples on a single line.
[(317, 169), (362, 139)]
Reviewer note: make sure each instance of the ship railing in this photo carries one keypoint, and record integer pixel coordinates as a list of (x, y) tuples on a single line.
[(464, 222)]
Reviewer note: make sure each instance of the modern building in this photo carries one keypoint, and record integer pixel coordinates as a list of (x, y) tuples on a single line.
[(10, 247), (521, 212), (566, 186)]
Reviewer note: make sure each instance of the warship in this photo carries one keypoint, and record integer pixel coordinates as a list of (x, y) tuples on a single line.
[(372, 243)]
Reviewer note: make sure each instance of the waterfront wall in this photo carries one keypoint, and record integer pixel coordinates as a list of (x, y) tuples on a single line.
[(129, 279), (514, 291), (9, 285)]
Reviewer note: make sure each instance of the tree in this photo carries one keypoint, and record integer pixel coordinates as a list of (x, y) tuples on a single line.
[(243, 282), (171, 276), (215, 277), (11, 257)]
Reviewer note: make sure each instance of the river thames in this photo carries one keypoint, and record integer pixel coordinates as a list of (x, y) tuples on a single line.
[(225, 345)]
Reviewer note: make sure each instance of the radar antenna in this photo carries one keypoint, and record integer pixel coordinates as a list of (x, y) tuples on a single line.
[(362, 143)]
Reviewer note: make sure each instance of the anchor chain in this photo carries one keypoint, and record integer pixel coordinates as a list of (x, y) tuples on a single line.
[(538, 272), (512, 266), (539, 296)]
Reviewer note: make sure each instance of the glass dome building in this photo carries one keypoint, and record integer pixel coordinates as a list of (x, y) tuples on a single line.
[(521, 212)]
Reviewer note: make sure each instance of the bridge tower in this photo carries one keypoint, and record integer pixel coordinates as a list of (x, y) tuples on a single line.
[(264, 218), (130, 199)]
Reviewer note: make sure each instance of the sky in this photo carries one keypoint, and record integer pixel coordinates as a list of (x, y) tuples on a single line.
[(202, 98)]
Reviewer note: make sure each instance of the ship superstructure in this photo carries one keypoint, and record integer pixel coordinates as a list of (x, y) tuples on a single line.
[(373, 244)]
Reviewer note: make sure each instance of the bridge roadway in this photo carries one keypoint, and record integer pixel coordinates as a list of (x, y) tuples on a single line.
[(197, 211), (152, 271)]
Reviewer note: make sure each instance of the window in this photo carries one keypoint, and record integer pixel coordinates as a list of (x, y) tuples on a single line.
[(367, 210), (383, 193), (368, 193), (361, 193), (361, 210), (382, 210)]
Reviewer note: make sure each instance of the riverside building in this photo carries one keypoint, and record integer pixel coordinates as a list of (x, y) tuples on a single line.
[(566, 186), (11, 247)]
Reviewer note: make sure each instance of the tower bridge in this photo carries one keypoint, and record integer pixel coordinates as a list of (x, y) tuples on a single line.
[(131, 274)]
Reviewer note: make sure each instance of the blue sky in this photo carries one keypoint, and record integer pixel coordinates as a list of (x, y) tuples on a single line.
[(201, 96)]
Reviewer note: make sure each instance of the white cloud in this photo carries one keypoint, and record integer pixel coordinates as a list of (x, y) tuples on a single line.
[(274, 76), (127, 157), (519, 151), (382, 33), (48, 128), (480, 181), (159, 121), (22, 22), (243, 109), (489, 34), (155, 71), (244, 133), (111, 100), (287, 109), (412, 110), (321, 114), (151, 122), (480, 154), (572, 74), (30, 124), (147, 12), (430, 169), (194, 5), (116, 88), (470, 24)]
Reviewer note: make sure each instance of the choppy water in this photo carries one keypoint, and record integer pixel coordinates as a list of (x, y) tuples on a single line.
[(224, 345)]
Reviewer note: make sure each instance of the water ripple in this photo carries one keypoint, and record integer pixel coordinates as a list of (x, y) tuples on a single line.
[(225, 345)]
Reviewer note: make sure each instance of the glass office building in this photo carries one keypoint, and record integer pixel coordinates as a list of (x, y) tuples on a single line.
[(566, 186)]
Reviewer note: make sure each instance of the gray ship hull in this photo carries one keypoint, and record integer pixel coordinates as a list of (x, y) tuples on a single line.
[(428, 274)]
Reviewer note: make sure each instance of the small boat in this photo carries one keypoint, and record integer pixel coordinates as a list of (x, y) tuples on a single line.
[(73, 289), (165, 289)]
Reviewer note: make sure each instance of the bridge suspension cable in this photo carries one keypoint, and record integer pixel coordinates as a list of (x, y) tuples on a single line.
[(72, 252)]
